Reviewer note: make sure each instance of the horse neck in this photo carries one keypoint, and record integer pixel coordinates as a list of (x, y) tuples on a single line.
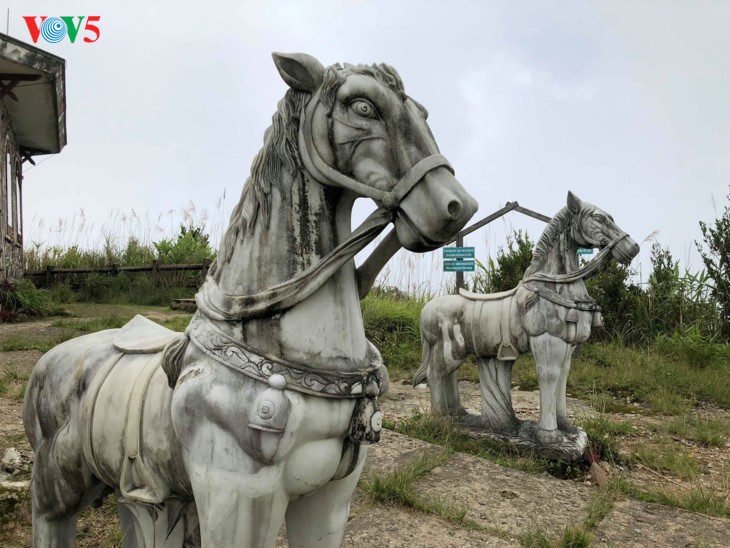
[(557, 253), (306, 221), (562, 257)]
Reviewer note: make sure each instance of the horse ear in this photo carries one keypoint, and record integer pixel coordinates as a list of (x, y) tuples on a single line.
[(574, 203), (300, 71)]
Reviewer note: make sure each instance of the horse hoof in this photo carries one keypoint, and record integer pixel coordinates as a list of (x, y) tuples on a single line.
[(566, 426), (458, 411), (549, 437)]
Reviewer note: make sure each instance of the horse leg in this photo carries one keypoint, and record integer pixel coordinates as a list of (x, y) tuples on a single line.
[(319, 520), (62, 482), (550, 355), (561, 407), (62, 485), (495, 384), (442, 380), (147, 526)]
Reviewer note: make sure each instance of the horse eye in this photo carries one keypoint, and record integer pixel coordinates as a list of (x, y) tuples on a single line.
[(600, 218), (363, 108)]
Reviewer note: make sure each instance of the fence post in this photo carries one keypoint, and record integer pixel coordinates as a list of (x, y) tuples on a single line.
[(49, 275), (459, 275), (204, 269), (156, 272)]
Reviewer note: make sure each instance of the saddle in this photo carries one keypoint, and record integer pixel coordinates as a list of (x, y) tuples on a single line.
[(140, 339), (487, 296), (143, 336)]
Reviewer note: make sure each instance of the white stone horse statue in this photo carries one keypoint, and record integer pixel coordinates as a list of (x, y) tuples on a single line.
[(262, 411), (548, 313)]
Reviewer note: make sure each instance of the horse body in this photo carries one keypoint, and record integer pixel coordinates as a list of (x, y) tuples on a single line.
[(548, 314), (263, 410)]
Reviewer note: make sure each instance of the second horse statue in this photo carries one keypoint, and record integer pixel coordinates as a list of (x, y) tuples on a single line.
[(548, 313)]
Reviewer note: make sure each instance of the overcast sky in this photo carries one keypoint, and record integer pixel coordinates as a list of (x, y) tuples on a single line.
[(626, 103)]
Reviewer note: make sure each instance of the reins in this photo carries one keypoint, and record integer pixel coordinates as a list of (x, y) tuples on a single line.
[(586, 271)]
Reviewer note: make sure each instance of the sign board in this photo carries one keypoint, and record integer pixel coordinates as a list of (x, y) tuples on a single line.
[(459, 266), (585, 251), (458, 252)]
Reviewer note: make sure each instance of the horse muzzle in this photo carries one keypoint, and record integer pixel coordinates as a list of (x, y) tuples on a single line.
[(433, 212), (625, 250)]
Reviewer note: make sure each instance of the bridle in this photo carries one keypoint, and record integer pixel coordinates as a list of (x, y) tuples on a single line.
[(587, 270), (327, 175)]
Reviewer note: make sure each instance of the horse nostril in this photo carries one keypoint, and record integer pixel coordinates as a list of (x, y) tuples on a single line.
[(454, 208)]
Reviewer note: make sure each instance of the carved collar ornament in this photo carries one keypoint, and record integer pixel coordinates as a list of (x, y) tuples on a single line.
[(238, 355)]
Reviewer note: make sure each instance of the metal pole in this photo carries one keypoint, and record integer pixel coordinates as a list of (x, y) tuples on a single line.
[(459, 275)]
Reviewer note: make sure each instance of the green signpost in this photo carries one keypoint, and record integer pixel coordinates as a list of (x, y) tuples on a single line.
[(454, 259)]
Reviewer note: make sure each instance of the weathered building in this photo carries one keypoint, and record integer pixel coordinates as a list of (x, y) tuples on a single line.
[(32, 122)]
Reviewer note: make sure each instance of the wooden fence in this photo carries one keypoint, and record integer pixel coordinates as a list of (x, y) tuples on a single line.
[(48, 275)]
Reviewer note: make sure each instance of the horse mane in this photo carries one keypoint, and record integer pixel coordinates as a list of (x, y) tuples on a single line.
[(279, 155), (555, 228)]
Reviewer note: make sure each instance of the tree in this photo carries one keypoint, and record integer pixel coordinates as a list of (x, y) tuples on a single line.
[(716, 257), (510, 266), (191, 246)]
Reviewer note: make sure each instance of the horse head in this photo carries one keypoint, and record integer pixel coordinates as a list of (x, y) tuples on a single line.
[(593, 227), (360, 131)]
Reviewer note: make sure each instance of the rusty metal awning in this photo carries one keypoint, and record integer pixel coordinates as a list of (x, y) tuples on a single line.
[(33, 89)]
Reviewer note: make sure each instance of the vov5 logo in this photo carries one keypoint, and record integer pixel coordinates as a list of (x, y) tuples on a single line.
[(55, 29)]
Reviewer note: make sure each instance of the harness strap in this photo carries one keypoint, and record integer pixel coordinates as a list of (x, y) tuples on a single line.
[(556, 298), (136, 481), (89, 413), (218, 305), (238, 355)]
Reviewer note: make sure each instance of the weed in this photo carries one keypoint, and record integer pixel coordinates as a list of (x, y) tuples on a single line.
[(537, 538), (706, 432), (178, 323), (446, 432), (603, 433), (393, 326), (92, 325), (697, 499), (575, 537), (667, 457)]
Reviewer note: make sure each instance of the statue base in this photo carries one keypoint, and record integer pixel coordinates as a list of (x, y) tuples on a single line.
[(523, 436)]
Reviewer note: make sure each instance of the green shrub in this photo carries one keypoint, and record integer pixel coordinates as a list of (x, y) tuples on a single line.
[(393, 326), (23, 298)]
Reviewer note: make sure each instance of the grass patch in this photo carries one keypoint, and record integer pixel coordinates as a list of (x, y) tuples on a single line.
[(396, 487), (668, 458), (537, 538), (18, 343), (573, 537), (445, 432), (696, 499), (604, 433), (663, 383), (392, 324), (178, 323), (706, 432), (92, 325)]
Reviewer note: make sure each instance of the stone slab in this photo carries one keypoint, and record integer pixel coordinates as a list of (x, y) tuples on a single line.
[(510, 500), (397, 527), (632, 523), (394, 451)]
